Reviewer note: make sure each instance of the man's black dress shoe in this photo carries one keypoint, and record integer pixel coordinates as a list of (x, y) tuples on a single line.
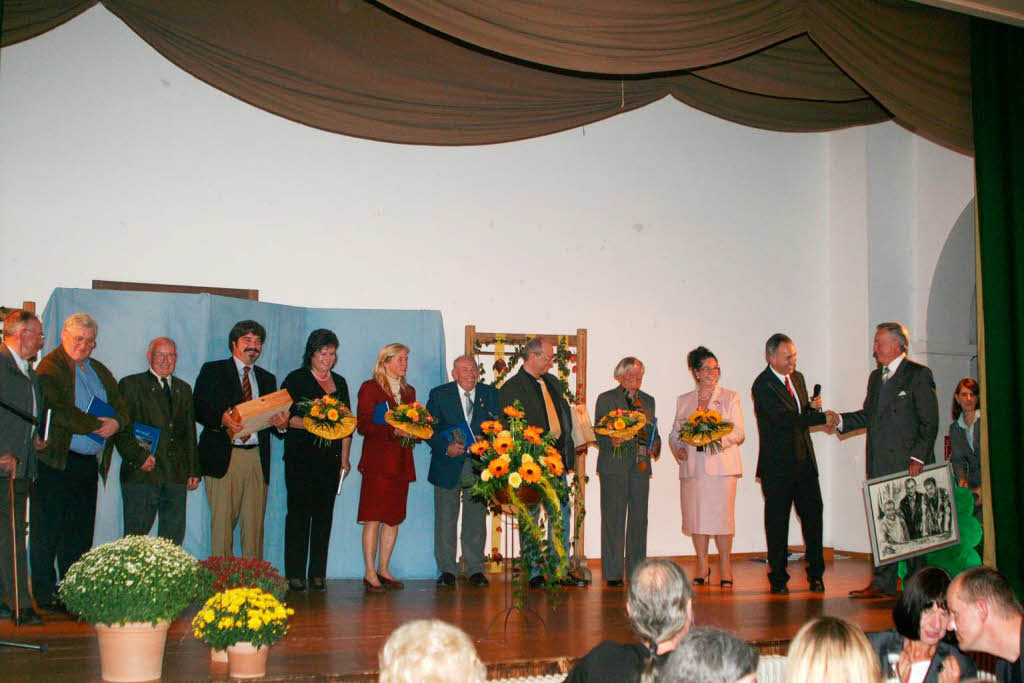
[(817, 586), (316, 583), (28, 617), (614, 583), (446, 579), (479, 579), (536, 582), (573, 581), (297, 585), (54, 606), (780, 590), (5, 611)]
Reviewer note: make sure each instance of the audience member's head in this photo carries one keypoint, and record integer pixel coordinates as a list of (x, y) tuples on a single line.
[(985, 611), (830, 649), (660, 607), (711, 655), (921, 613), (429, 651)]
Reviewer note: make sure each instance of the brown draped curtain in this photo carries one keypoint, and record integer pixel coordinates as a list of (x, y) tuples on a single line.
[(453, 72)]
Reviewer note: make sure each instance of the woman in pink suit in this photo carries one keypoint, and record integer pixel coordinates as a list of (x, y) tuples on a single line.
[(387, 467), (707, 483)]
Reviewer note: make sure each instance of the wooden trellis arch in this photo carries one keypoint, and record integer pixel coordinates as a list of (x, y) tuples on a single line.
[(571, 364)]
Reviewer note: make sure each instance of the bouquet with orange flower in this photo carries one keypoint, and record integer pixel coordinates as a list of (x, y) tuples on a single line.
[(327, 418), (520, 464), (621, 424), (705, 428), (411, 418)]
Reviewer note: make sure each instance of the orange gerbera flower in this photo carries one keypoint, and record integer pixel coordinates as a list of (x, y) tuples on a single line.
[(554, 463), (552, 452), (413, 414), (497, 467), (619, 424), (532, 434), (512, 412), (530, 472), (503, 443), (491, 426), (479, 448)]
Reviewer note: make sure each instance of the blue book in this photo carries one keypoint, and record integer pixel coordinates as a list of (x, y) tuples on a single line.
[(379, 412), (461, 433), (147, 436), (99, 408)]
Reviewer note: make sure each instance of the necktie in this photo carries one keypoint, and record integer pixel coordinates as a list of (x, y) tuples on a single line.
[(246, 392), (789, 388), (166, 386), (469, 406), (549, 406), (885, 374)]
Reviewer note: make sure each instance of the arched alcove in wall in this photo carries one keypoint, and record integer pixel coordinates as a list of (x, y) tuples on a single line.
[(953, 315)]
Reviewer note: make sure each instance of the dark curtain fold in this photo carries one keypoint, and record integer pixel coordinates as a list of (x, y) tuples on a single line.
[(488, 71), (24, 19), (997, 61)]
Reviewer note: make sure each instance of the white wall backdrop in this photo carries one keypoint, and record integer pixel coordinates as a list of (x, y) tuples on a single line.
[(657, 231)]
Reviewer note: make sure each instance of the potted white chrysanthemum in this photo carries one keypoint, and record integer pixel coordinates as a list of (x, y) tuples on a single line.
[(130, 590)]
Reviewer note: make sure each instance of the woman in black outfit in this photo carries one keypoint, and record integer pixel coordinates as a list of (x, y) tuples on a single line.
[(311, 471)]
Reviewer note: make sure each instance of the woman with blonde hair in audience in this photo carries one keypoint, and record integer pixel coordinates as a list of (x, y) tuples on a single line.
[(830, 649), (429, 651)]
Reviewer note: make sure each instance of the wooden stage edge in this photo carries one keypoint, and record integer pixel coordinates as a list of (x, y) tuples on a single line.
[(335, 635)]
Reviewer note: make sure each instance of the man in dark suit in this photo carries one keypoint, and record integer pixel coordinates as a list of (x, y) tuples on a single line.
[(19, 439), (624, 468), (901, 415), (63, 499), (237, 470), (541, 398), (785, 462), (154, 483), (912, 509), (461, 405)]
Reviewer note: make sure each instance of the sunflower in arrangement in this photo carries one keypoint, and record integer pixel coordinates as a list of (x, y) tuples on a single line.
[(327, 418), (705, 428)]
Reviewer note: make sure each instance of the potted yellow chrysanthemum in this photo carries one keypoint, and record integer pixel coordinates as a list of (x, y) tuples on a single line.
[(245, 622)]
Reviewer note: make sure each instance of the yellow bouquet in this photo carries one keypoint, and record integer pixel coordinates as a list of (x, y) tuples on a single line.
[(621, 424), (241, 615), (705, 428), (327, 418), (411, 418)]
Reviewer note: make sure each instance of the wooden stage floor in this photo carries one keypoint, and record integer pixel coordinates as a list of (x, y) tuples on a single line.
[(335, 635)]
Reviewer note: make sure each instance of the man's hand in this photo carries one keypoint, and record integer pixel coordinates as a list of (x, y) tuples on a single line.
[(950, 672), (456, 449), (232, 424), (148, 465), (280, 420), (616, 441), (192, 483), (656, 449), (915, 467), (816, 402), (108, 427), (39, 443), (8, 464)]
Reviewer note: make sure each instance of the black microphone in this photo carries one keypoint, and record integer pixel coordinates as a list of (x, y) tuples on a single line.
[(817, 393)]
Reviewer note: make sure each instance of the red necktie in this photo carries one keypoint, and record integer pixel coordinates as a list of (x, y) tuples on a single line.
[(789, 388), (246, 391)]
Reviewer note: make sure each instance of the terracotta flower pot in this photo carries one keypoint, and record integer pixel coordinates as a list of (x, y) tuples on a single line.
[(247, 661), (133, 651), (218, 656), (527, 494)]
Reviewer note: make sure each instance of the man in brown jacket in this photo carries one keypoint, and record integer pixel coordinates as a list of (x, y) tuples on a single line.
[(63, 505)]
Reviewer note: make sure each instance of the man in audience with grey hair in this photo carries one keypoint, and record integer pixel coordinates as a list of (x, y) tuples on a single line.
[(659, 603), (711, 655)]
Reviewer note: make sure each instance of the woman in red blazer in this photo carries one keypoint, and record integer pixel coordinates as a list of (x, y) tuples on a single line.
[(386, 466)]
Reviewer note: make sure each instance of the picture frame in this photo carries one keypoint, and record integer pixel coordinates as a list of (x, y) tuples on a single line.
[(908, 520)]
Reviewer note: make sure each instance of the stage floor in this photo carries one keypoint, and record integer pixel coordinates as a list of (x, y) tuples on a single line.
[(335, 635)]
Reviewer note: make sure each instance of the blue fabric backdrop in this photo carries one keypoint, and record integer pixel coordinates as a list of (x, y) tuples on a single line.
[(200, 323)]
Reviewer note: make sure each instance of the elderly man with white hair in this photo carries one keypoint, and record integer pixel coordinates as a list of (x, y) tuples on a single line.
[(63, 501)]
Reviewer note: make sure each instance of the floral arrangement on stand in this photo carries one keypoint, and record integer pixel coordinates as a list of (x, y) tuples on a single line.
[(134, 579), (705, 429), (327, 418), (522, 469), (621, 424), (217, 574), (413, 419)]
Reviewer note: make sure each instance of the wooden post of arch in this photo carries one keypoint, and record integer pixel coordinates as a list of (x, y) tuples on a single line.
[(482, 344)]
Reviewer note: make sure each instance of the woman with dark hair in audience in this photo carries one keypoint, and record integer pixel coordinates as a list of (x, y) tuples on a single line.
[(917, 650), (659, 604), (386, 465), (311, 468)]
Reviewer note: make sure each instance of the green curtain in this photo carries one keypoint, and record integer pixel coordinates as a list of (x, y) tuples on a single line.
[(997, 62)]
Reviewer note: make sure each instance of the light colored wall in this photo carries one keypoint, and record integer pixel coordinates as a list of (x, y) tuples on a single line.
[(657, 230)]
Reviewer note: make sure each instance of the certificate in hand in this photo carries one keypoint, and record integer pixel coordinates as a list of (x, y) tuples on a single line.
[(255, 414)]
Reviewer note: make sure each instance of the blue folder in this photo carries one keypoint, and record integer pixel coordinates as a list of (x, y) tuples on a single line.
[(99, 408)]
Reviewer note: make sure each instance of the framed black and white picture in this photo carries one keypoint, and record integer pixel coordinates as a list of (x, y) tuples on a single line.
[(910, 516)]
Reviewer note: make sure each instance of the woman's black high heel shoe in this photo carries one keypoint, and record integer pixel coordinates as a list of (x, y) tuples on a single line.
[(700, 581)]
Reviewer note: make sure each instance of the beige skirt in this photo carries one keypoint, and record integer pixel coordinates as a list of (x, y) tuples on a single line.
[(708, 504)]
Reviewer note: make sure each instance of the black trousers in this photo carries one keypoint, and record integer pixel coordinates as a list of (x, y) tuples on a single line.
[(63, 509), (312, 489), (780, 495), (13, 547), (142, 503)]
